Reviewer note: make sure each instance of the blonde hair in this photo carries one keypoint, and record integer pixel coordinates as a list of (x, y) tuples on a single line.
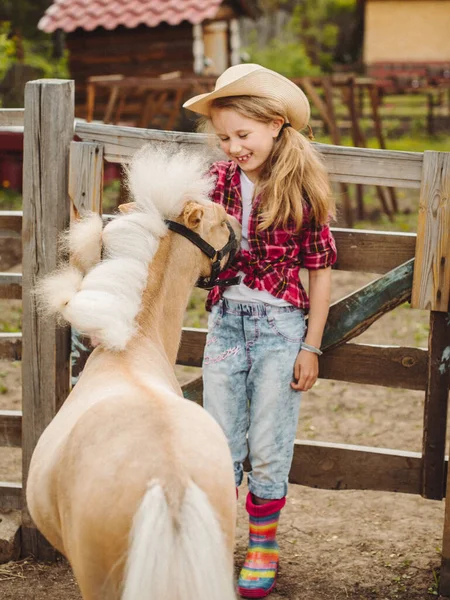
[(294, 170)]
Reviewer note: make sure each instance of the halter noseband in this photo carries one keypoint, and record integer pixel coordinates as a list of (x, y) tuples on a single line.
[(215, 256)]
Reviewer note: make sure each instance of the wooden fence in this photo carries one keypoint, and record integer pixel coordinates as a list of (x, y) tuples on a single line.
[(64, 177)]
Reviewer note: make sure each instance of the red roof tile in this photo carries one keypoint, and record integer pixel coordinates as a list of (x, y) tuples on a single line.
[(89, 14)]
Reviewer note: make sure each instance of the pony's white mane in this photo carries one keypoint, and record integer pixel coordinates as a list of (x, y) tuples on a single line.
[(101, 297)]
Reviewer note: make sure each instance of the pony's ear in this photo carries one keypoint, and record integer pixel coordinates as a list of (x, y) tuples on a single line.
[(127, 208), (193, 215)]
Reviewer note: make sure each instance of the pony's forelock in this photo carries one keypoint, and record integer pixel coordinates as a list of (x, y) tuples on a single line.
[(166, 177)]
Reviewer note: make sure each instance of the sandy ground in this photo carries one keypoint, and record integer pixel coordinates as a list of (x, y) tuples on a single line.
[(344, 545)]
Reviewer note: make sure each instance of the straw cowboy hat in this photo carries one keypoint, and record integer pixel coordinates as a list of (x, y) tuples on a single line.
[(254, 80)]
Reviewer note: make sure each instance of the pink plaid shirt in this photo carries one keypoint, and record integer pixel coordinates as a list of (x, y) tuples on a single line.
[(275, 255)]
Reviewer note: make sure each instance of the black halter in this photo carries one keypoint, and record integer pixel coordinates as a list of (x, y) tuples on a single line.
[(230, 248)]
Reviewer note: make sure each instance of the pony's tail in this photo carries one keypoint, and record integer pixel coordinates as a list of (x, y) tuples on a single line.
[(177, 557)]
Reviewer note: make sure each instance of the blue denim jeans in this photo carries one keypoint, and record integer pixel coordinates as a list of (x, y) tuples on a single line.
[(248, 367)]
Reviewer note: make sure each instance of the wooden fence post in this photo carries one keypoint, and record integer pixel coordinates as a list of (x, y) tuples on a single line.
[(49, 129), (431, 283), (435, 409), (86, 193), (85, 178)]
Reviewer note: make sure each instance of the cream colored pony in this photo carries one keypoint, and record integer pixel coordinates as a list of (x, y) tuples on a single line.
[(130, 481)]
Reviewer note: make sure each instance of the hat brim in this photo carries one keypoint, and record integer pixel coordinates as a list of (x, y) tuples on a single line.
[(262, 83)]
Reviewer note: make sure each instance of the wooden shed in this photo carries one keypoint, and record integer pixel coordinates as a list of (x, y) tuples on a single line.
[(407, 36), (146, 38)]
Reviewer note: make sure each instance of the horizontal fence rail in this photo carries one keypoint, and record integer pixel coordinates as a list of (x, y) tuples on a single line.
[(325, 466), (389, 366), (11, 286), (11, 117), (344, 164), (11, 428), (10, 346), (358, 250), (10, 496), (10, 223), (344, 467)]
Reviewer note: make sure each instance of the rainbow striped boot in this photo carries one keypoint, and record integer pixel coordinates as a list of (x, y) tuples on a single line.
[(257, 577)]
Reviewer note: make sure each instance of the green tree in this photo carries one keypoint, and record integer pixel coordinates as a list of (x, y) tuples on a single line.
[(25, 51), (318, 33), (287, 57)]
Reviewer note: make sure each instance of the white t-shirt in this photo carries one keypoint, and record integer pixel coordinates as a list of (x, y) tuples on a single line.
[(242, 293)]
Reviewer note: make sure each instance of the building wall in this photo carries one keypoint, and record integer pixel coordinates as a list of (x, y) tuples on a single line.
[(407, 31)]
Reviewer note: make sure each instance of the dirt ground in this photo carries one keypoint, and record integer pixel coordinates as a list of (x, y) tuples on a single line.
[(335, 545)]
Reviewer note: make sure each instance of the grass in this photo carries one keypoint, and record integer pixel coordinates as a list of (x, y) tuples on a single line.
[(10, 316), (10, 199)]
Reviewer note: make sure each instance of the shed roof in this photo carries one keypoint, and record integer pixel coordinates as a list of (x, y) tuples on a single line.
[(89, 14)]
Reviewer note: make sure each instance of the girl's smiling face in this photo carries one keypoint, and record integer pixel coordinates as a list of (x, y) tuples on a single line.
[(245, 141)]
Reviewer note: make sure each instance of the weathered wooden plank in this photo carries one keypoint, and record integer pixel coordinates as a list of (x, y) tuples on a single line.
[(431, 284), (358, 249), (444, 582), (373, 166), (343, 467), (11, 428), (11, 117), (11, 286), (190, 352), (10, 496), (388, 366), (49, 123), (12, 129), (353, 314), (193, 390), (372, 251), (344, 164), (85, 178), (436, 406), (11, 221), (11, 346), (325, 466), (120, 143)]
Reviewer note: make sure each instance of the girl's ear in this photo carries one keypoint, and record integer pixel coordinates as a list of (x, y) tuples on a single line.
[(277, 124), (193, 215)]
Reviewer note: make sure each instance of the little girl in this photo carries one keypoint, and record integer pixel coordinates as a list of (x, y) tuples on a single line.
[(259, 356)]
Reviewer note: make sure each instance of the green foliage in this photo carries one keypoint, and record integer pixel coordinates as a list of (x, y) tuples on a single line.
[(24, 14), (10, 316), (311, 23), (9, 199), (288, 58), (37, 53), (7, 49), (308, 43)]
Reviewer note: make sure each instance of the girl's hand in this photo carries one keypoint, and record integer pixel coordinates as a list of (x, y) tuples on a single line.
[(306, 371)]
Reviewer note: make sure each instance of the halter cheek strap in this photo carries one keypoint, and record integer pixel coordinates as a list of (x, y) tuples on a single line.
[(214, 255)]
